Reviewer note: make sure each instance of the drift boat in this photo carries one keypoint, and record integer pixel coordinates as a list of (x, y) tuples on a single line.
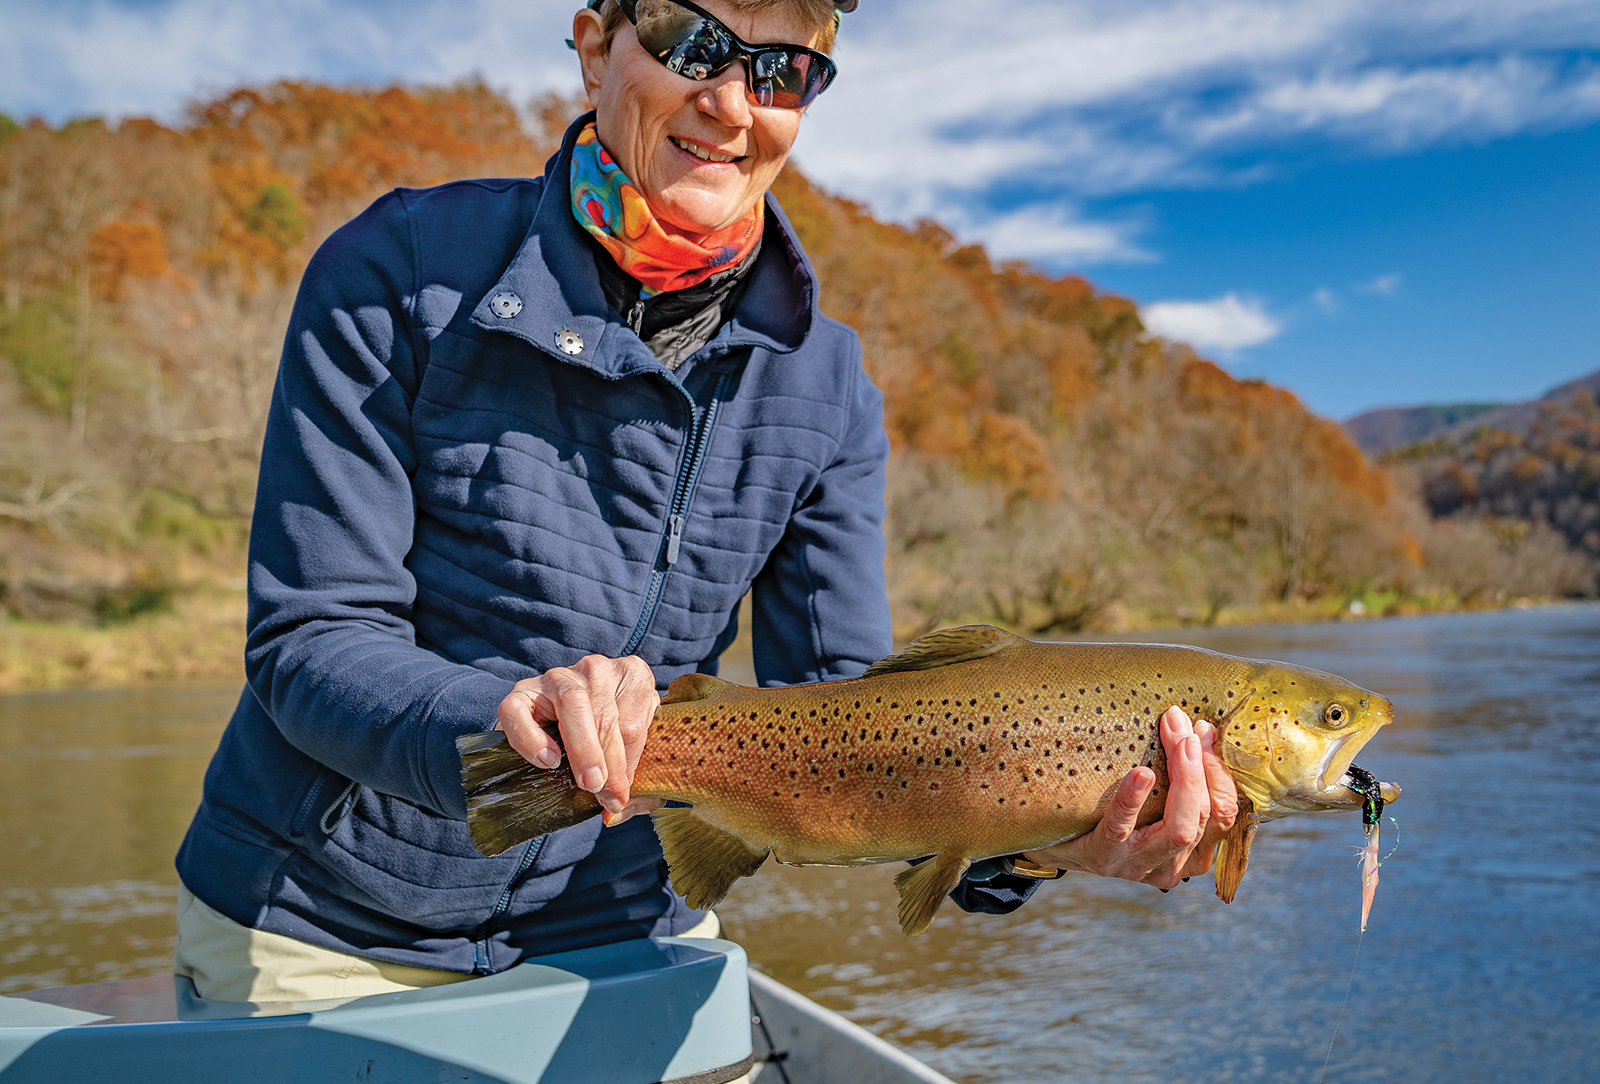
[(653, 1011)]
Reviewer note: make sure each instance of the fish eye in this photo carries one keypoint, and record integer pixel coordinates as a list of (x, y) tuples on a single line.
[(1336, 714)]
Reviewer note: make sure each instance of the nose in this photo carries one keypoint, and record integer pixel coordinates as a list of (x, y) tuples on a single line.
[(724, 98)]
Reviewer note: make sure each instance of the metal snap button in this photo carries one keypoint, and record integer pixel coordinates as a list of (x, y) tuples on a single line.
[(569, 342), (505, 305)]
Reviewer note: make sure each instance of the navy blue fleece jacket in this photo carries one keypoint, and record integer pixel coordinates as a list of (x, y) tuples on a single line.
[(450, 502)]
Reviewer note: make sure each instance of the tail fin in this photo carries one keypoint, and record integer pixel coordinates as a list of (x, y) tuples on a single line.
[(510, 800)]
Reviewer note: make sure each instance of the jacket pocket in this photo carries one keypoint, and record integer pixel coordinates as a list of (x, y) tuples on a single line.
[(326, 801)]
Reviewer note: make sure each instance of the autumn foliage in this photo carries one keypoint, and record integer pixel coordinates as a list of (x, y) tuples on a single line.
[(1054, 466)]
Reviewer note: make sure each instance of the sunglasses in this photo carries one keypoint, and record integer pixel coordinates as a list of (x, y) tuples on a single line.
[(696, 45)]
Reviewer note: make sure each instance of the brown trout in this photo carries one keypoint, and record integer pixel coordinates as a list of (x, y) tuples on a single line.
[(971, 743)]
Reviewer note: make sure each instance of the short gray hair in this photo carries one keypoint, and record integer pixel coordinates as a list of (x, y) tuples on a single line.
[(817, 13)]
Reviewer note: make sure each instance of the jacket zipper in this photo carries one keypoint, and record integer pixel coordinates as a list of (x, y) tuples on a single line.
[(480, 948), (682, 493)]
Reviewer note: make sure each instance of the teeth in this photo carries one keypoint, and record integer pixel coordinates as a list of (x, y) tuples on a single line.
[(700, 152)]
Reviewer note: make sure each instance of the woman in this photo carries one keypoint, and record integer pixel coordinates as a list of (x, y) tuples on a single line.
[(531, 443)]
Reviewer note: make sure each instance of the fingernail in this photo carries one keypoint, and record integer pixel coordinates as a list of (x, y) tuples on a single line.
[(592, 779), (1186, 880), (611, 804), (1164, 891), (548, 757)]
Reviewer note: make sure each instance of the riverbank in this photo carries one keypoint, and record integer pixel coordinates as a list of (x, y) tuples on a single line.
[(201, 639)]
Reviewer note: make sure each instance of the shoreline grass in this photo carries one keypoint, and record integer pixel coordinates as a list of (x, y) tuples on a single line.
[(202, 638)]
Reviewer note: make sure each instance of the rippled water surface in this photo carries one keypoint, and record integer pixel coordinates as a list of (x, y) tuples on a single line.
[(1482, 961)]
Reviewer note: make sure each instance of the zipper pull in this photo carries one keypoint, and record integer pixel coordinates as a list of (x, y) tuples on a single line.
[(674, 538), (636, 317)]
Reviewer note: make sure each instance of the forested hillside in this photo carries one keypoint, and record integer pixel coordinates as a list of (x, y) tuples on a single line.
[(1546, 475), (1055, 468)]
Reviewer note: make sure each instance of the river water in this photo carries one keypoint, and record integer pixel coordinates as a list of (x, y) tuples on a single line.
[(1481, 963)]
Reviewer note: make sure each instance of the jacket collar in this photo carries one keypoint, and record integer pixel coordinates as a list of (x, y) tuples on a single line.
[(550, 293)]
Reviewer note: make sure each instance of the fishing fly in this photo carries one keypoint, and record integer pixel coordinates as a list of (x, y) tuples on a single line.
[(1371, 819)]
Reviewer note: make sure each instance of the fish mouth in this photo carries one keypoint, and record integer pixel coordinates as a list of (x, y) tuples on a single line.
[(1341, 795)]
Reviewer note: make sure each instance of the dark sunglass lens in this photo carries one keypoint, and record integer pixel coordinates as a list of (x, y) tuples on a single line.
[(784, 80), (681, 39)]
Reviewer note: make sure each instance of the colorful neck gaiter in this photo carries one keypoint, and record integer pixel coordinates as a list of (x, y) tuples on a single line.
[(607, 204)]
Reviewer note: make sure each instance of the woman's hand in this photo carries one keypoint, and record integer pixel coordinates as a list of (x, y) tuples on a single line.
[(603, 708), (1201, 806)]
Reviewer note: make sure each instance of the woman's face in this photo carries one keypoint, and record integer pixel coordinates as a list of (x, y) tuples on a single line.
[(661, 127)]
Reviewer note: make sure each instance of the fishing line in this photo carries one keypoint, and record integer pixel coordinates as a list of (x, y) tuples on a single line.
[(1355, 964), (773, 1054), (1348, 987)]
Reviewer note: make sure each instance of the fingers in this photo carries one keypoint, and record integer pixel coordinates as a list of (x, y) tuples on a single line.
[(573, 706), (1224, 798), (1201, 805), (603, 708), (1123, 815), (518, 716), (632, 809), (1188, 809), (637, 701), (1219, 782)]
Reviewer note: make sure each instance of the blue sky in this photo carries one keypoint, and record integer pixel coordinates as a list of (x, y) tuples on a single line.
[(1370, 203)]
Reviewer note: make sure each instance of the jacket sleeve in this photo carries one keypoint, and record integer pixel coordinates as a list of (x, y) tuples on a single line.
[(821, 607), (331, 653)]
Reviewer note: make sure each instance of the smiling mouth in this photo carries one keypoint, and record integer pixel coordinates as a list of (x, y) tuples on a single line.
[(702, 153)]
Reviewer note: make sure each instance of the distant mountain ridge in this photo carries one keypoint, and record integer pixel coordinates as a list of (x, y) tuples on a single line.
[(1387, 428)]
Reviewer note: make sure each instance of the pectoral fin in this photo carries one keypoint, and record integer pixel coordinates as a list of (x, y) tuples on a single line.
[(1233, 853), (702, 859), (923, 888)]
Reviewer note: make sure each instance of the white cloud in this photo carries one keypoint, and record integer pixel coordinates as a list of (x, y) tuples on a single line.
[(1383, 284), (1095, 97), (100, 56), (1049, 233), (940, 103), (1226, 324), (1326, 300)]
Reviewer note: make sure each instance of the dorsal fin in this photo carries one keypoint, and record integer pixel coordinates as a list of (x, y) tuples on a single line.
[(695, 687), (947, 646)]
